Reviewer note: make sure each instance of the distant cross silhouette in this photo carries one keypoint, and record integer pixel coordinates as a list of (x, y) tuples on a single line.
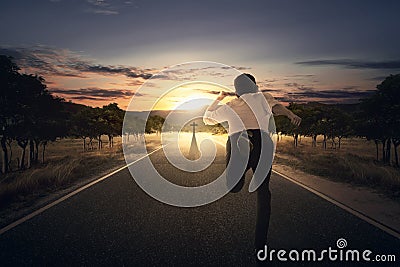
[(194, 127), (194, 150)]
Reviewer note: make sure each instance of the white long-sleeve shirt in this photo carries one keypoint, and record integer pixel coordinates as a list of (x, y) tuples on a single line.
[(249, 111)]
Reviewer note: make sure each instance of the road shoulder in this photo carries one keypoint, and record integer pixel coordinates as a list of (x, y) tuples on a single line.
[(361, 199)]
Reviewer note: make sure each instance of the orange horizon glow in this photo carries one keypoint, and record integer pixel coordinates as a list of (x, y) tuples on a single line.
[(129, 86)]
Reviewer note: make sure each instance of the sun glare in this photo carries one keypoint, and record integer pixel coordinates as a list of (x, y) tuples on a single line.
[(189, 97)]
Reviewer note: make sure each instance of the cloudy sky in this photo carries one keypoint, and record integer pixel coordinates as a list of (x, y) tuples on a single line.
[(100, 51)]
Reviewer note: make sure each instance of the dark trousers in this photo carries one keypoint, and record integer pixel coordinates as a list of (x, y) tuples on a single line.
[(263, 192)]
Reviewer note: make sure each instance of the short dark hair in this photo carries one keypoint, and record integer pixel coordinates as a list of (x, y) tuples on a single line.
[(245, 83), (251, 77)]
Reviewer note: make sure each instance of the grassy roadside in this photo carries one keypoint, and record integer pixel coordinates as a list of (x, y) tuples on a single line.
[(353, 163), (67, 167)]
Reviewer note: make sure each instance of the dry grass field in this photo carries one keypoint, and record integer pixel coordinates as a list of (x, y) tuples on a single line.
[(65, 164), (355, 162)]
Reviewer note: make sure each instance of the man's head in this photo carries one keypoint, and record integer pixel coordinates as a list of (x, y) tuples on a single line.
[(245, 83)]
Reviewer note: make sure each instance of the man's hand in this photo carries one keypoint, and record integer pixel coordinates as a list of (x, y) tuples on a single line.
[(294, 119), (222, 95)]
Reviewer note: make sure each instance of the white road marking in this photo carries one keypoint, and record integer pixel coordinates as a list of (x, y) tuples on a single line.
[(360, 215), (48, 206), (341, 205)]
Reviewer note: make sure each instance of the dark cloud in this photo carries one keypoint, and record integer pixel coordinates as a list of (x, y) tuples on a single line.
[(39, 59), (138, 75), (328, 96), (182, 72), (49, 61), (135, 83), (106, 7), (350, 87), (377, 78), (162, 76), (138, 94), (269, 90), (178, 73), (292, 85), (305, 88), (241, 68), (356, 64), (105, 69), (300, 76), (308, 94), (235, 67), (267, 83), (299, 86), (263, 85), (83, 97), (105, 12), (95, 93), (130, 72)]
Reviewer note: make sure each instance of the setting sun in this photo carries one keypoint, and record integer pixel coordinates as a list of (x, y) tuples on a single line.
[(189, 96)]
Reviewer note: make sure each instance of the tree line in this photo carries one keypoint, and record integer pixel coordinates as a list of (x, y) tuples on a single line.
[(31, 117), (27, 112), (376, 118)]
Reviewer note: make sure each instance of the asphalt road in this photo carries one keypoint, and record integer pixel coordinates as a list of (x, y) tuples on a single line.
[(115, 223)]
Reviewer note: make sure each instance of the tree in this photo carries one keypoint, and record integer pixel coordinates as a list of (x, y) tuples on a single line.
[(289, 128), (381, 114), (133, 125), (26, 108), (154, 124), (39, 117), (343, 125), (92, 123), (51, 122), (82, 124), (113, 117), (369, 125), (8, 103)]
